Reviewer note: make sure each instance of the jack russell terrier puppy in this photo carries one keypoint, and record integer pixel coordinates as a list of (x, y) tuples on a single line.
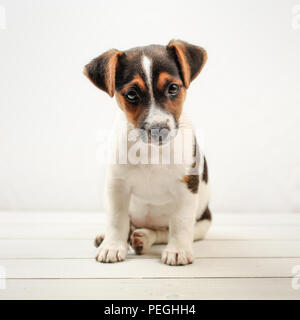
[(154, 202)]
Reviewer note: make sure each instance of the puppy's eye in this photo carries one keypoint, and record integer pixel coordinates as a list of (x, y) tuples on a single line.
[(173, 89), (132, 96)]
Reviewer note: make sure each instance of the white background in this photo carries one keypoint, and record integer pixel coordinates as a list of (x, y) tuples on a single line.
[(246, 101)]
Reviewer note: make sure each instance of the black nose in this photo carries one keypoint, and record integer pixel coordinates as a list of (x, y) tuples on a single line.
[(158, 133)]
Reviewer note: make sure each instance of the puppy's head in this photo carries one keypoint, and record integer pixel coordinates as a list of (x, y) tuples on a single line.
[(150, 84)]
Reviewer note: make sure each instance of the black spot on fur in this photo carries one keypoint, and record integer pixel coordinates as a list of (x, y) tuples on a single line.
[(192, 182), (138, 250), (206, 215), (192, 179), (205, 172)]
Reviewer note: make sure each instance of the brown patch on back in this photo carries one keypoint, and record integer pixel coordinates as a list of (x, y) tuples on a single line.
[(133, 112), (192, 182), (192, 179)]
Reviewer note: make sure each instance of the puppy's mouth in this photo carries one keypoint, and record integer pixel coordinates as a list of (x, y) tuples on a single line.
[(157, 135)]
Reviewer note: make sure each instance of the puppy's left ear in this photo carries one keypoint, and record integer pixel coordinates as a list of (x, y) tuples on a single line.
[(190, 59), (102, 70)]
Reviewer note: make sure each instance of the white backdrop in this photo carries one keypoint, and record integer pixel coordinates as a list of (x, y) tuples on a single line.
[(246, 101)]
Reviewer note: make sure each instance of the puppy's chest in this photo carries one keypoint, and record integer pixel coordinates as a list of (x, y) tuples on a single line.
[(154, 183)]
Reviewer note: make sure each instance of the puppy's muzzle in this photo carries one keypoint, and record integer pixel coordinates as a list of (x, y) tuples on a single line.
[(158, 133)]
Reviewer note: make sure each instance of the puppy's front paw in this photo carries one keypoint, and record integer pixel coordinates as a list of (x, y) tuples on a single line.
[(112, 251), (177, 257)]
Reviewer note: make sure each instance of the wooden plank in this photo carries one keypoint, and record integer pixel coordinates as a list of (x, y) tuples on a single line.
[(263, 232), (100, 218), (256, 219), (84, 249), (86, 231), (65, 217), (149, 268), (241, 249), (270, 288)]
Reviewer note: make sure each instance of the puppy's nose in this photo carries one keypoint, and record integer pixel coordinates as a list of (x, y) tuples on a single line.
[(158, 133)]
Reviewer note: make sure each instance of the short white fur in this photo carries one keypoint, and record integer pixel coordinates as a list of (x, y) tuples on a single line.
[(154, 198)]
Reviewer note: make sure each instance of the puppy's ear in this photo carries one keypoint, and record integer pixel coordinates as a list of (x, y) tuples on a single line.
[(102, 70), (190, 59)]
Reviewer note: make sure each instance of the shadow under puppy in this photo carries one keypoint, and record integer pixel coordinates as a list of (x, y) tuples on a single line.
[(154, 203)]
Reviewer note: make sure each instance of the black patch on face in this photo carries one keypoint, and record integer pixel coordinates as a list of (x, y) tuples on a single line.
[(130, 65), (163, 62)]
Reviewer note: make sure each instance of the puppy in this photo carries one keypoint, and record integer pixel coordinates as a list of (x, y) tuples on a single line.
[(154, 202)]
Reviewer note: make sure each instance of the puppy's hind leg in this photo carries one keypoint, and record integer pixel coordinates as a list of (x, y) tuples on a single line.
[(142, 239)]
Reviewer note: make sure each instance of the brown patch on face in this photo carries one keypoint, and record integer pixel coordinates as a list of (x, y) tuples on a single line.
[(192, 182), (137, 80), (133, 112), (166, 77), (175, 106)]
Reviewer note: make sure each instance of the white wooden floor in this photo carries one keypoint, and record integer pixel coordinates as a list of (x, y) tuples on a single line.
[(51, 256)]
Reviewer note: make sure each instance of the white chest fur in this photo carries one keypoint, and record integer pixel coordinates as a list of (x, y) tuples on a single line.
[(155, 190)]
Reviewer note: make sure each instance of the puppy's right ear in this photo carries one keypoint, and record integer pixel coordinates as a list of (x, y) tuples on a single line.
[(102, 71)]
